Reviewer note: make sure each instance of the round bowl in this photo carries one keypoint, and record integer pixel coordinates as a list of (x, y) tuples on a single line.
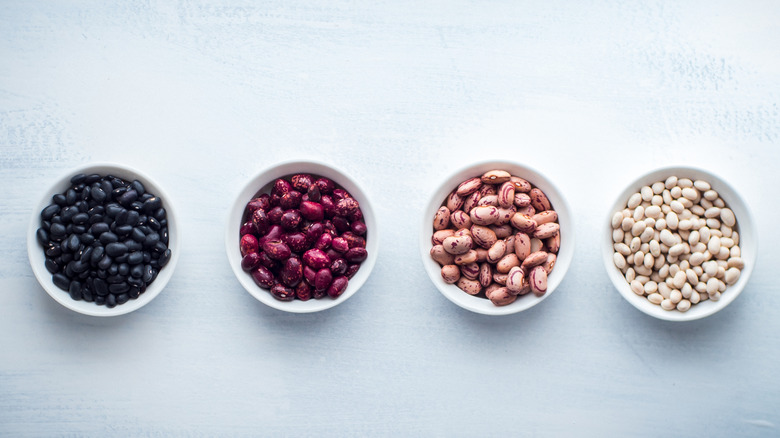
[(261, 183), (747, 243), (483, 305), (37, 256)]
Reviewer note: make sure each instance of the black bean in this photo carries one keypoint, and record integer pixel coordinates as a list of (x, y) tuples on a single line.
[(108, 237), (124, 230), (79, 266), (75, 290), (121, 217), (61, 281), (135, 258), (86, 295), (101, 287), (134, 292), (58, 231), (46, 225), (105, 263), (78, 178), (127, 198), (132, 245), (136, 205), (82, 206), (100, 300), (69, 272), (147, 274), (97, 254), (136, 235), (147, 257), (164, 235), (160, 214), (124, 269), (159, 247), (165, 257), (87, 239), (80, 218), (101, 274), (86, 254), (138, 187), (151, 239), (99, 228), (116, 249), (132, 218), (122, 298), (85, 194), (67, 213), (53, 249), (106, 186), (93, 178), (118, 288), (118, 191), (49, 212), (73, 243), (110, 301), (113, 209), (152, 204), (154, 224), (121, 259), (95, 219), (70, 197), (59, 199), (42, 236), (78, 229), (115, 278), (51, 266), (97, 209), (137, 271)]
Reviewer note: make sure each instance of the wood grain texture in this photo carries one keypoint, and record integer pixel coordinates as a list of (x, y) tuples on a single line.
[(201, 95)]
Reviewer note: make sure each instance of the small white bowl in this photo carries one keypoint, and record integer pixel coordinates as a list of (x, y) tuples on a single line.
[(37, 256), (748, 243), (483, 305), (261, 183)]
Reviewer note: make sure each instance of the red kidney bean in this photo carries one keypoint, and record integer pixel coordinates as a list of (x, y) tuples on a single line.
[(296, 241), (275, 215), (356, 255), (314, 232), (340, 223), (248, 244), (276, 249), (314, 193), (302, 181), (303, 290), (250, 261), (323, 279), (290, 200), (324, 241), (328, 206), (247, 228), (268, 262), (281, 187), (312, 211), (339, 244), (338, 267), (274, 233), (354, 241), (309, 274), (333, 254), (316, 258), (358, 227), (338, 286), (263, 277), (339, 194), (352, 270), (292, 272), (282, 292), (347, 206), (325, 185), (290, 219), (258, 203)]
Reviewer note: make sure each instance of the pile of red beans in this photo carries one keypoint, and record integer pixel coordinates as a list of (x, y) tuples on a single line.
[(305, 239)]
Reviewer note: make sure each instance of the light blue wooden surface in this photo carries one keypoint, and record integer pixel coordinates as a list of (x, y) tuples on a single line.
[(202, 95)]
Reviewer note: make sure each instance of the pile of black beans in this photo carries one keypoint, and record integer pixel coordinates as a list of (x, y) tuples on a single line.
[(105, 239)]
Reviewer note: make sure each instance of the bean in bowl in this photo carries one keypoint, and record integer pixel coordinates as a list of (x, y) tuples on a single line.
[(304, 239)]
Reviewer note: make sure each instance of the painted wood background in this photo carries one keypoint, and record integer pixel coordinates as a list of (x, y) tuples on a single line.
[(203, 94)]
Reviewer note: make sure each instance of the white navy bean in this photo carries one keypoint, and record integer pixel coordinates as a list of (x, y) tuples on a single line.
[(634, 200), (701, 185)]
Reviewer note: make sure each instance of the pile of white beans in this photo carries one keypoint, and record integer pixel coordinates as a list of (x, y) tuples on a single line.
[(677, 243)]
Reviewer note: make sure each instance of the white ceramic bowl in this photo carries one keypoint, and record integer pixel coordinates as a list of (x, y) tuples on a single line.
[(747, 243), (261, 183), (37, 256), (483, 305)]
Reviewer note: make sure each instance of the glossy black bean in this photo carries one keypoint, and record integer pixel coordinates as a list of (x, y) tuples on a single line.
[(108, 237), (87, 239), (106, 186), (144, 197), (116, 249), (118, 191), (79, 266), (159, 248), (100, 300), (165, 257), (122, 298), (124, 230), (57, 232), (51, 266), (121, 218), (152, 204), (49, 212), (73, 243), (101, 287), (87, 295), (121, 259), (132, 245), (110, 301), (66, 258), (127, 198), (99, 228), (78, 178), (132, 218), (59, 199), (92, 178), (97, 254), (46, 225), (101, 274), (61, 281), (154, 224), (96, 218), (53, 249), (78, 229), (164, 235), (80, 218), (105, 263), (151, 239), (70, 197), (147, 257), (136, 206), (86, 254), (137, 271), (42, 236), (148, 273), (135, 258), (118, 288), (137, 235), (134, 292), (97, 209), (124, 269), (69, 270), (138, 187), (86, 193), (68, 212), (75, 290), (115, 278), (113, 209), (82, 206), (160, 214)]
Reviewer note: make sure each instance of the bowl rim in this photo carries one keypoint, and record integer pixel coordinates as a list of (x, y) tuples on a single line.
[(36, 255), (747, 234), (437, 197), (260, 181)]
